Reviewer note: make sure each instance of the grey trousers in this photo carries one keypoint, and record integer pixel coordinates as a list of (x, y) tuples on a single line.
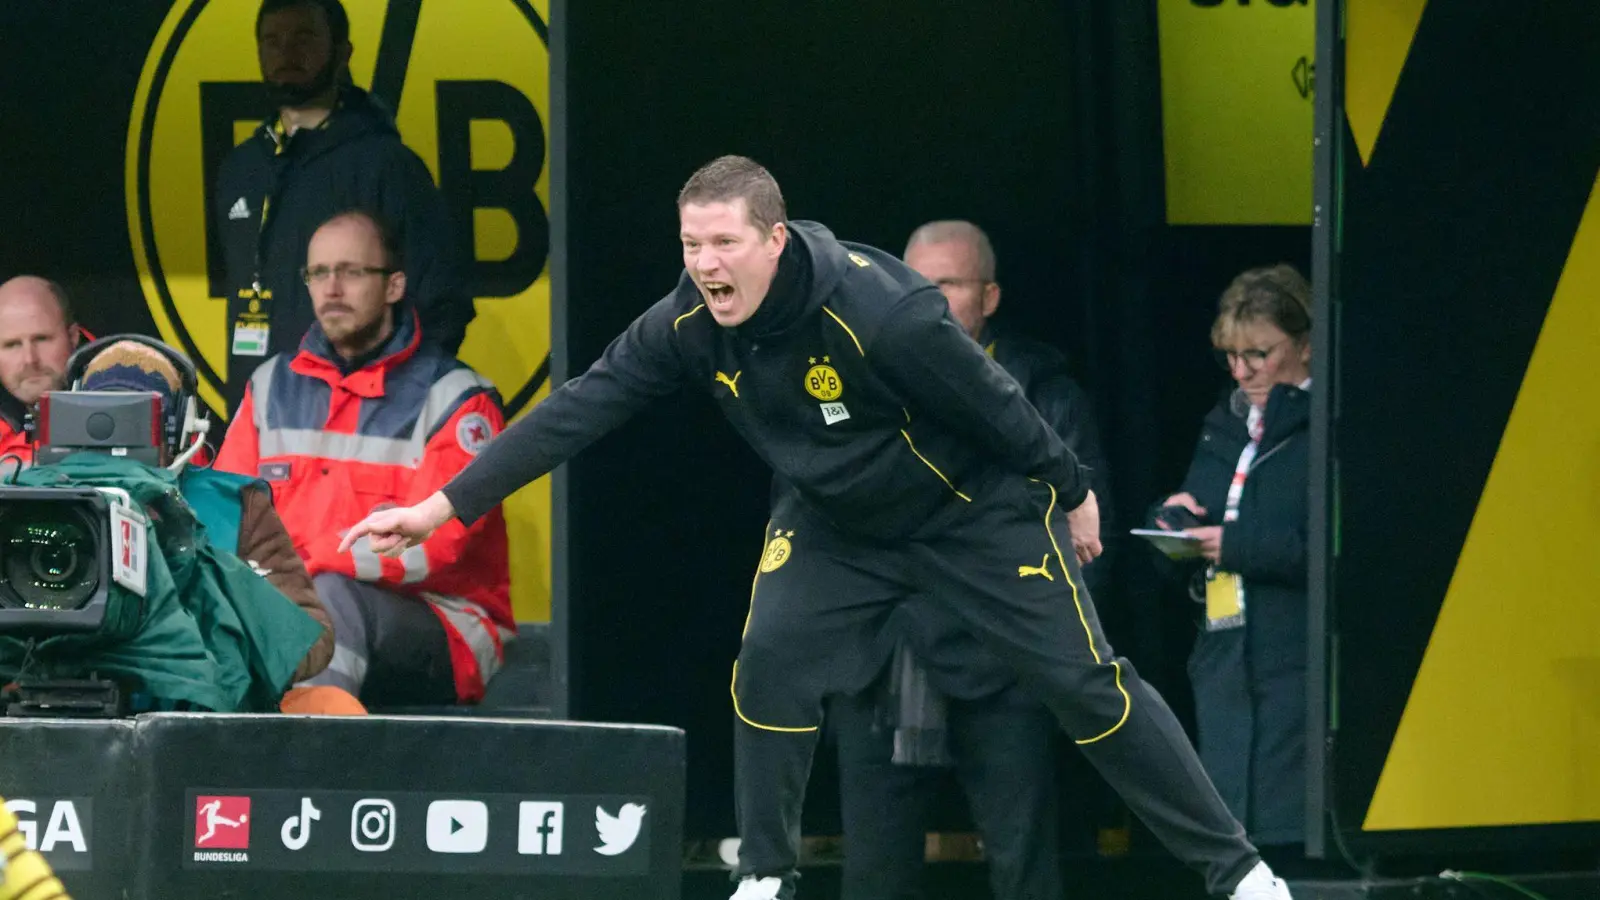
[(389, 649)]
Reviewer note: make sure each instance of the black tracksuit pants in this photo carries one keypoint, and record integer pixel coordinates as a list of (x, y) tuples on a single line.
[(1004, 565)]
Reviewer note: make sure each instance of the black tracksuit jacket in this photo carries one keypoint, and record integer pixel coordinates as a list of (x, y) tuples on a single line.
[(920, 417)]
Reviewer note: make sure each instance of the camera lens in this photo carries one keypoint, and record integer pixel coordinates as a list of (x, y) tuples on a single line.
[(54, 563), (47, 555)]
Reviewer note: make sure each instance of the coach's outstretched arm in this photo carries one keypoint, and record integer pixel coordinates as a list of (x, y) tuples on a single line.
[(642, 364)]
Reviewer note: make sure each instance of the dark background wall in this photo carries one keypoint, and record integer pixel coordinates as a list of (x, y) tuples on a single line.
[(70, 70)]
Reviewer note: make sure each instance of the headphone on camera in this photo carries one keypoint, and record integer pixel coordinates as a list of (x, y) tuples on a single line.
[(183, 417)]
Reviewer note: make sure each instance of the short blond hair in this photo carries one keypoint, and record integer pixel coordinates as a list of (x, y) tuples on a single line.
[(729, 178), (1278, 295)]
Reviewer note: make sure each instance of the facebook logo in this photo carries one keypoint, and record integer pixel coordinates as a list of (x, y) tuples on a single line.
[(539, 827)]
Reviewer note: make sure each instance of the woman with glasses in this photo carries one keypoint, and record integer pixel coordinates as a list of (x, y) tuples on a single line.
[(1244, 501)]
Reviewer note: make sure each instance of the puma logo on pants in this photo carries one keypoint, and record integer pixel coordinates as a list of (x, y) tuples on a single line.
[(1025, 571)]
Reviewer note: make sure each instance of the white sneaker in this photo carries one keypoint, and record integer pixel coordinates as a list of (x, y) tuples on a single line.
[(1260, 884), (753, 888)]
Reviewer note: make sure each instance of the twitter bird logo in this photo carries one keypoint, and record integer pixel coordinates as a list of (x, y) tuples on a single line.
[(618, 832)]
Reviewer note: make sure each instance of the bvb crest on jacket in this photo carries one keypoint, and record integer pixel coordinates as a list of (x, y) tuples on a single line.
[(778, 551), (822, 381)]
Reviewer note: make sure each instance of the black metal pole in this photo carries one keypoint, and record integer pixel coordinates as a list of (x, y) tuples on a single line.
[(1323, 527), (560, 520)]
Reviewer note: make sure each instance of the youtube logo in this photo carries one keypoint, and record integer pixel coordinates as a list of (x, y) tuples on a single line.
[(457, 826)]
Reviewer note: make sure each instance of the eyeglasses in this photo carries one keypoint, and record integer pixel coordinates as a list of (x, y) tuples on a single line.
[(1253, 358), (342, 271)]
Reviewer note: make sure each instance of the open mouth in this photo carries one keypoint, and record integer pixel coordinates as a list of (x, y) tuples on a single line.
[(719, 294)]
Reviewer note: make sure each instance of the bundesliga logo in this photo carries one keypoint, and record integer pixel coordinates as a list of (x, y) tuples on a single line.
[(221, 824)]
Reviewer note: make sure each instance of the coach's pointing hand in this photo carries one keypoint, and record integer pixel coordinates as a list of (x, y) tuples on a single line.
[(393, 531)]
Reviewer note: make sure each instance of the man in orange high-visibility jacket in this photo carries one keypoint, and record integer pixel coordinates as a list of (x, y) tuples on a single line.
[(367, 415)]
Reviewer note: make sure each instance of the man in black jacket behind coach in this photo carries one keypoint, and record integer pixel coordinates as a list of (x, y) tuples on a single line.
[(912, 466), (331, 148), (947, 702)]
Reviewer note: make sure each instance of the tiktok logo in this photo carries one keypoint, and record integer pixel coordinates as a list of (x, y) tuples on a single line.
[(296, 831)]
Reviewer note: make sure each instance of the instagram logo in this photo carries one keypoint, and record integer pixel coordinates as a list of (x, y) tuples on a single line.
[(372, 825)]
